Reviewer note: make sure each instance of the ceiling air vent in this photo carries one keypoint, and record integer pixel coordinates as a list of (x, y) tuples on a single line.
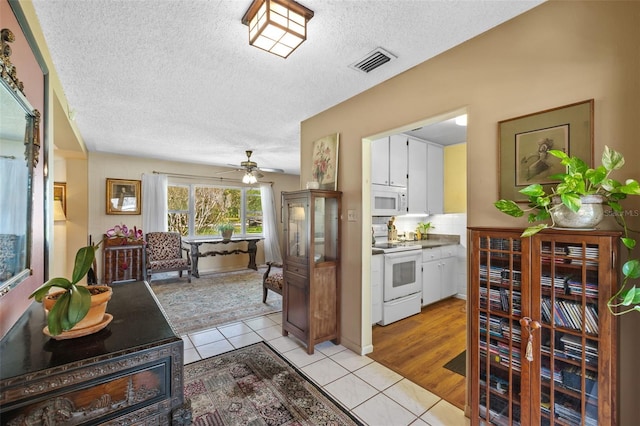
[(372, 60)]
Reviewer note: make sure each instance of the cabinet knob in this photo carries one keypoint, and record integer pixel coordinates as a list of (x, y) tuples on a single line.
[(530, 326)]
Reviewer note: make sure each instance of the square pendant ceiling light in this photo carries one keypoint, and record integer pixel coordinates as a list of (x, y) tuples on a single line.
[(277, 26)]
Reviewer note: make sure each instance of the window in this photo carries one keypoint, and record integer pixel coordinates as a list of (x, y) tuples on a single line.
[(196, 210)]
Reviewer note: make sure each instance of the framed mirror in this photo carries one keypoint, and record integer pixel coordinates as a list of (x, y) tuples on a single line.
[(19, 151)]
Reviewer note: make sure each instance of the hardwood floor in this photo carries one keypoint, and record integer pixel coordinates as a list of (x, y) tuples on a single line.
[(418, 347)]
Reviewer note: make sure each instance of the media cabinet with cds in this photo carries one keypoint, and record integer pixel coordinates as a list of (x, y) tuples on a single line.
[(543, 341)]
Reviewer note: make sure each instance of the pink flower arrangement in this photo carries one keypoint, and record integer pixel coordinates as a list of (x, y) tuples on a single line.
[(128, 235), (322, 163)]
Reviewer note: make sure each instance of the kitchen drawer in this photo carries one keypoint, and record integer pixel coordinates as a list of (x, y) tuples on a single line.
[(449, 251), (401, 308), (429, 254)]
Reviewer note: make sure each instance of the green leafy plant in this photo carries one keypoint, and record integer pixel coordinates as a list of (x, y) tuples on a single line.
[(580, 180), (225, 227), (424, 227), (72, 305)]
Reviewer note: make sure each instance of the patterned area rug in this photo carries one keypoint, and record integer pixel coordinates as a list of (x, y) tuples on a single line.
[(256, 386), (215, 299)]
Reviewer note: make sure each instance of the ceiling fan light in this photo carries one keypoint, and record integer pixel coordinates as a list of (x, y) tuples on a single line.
[(277, 26), (249, 178)]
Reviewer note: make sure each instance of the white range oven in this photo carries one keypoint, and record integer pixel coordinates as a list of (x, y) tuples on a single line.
[(402, 283)]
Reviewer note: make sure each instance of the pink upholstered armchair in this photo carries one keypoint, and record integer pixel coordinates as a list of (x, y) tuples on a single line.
[(164, 254)]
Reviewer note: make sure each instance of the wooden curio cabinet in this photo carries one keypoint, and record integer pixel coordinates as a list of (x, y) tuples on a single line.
[(311, 293), (543, 342)]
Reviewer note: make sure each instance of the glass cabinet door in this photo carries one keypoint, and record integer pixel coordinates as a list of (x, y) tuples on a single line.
[(568, 306), (544, 342), (297, 215), (500, 342), (325, 229)]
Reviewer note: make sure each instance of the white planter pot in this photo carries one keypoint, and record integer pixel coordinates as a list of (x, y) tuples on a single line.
[(591, 213)]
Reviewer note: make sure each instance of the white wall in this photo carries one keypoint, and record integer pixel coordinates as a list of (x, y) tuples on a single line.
[(449, 224)]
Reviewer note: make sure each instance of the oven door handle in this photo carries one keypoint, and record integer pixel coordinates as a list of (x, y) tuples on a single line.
[(415, 253)]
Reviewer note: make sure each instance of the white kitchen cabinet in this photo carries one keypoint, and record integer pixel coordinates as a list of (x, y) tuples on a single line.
[(431, 277), (435, 179), (389, 161), (416, 183), (448, 271), (380, 161), (438, 272), (398, 160), (377, 277)]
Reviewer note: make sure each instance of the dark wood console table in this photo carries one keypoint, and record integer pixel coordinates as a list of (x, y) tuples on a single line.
[(252, 249), (131, 372)]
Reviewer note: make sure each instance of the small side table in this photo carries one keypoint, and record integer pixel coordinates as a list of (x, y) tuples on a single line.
[(122, 263)]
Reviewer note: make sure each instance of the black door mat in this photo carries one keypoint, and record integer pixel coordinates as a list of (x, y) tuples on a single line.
[(458, 364)]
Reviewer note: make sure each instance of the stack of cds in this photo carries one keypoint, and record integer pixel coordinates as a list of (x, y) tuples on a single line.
[(507, 354), (589, 256), (545, 372), (495, 325), (494, 274), (502, 244), (512, 333), (568, 414), (575, 288), (558, 255), (495, 299), (573, 349), (568, 314), (558, 283)]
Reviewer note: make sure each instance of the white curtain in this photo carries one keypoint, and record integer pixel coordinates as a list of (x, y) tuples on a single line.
[(14, 176), (154, 203), (272, 251)]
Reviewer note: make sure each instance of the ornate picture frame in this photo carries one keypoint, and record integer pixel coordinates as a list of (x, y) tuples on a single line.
[(524, 141), (123, 196), (324, 161)]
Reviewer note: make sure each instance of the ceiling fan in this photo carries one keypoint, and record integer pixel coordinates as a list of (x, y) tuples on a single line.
[(251, 170)]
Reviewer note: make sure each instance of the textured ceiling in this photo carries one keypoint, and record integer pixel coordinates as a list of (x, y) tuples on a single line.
[(177, 80)]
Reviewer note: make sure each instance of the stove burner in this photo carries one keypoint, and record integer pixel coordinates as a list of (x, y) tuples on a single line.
[(396, 246)]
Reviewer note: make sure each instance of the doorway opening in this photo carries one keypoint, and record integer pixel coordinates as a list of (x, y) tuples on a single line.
[(418, 347)]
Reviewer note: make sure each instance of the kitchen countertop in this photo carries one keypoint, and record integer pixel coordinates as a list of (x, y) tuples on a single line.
[(433, 240)]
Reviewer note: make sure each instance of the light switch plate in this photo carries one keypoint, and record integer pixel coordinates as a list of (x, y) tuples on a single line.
[(351, 215)]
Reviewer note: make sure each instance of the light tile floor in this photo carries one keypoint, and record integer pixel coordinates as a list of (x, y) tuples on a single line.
[(371, 392)]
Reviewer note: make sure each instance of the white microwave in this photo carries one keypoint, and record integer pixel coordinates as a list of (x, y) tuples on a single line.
[(388, 200)]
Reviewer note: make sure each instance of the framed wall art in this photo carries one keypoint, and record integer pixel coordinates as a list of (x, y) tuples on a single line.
[(524, 143), (123, 196), (324, 167), (60, 194)]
